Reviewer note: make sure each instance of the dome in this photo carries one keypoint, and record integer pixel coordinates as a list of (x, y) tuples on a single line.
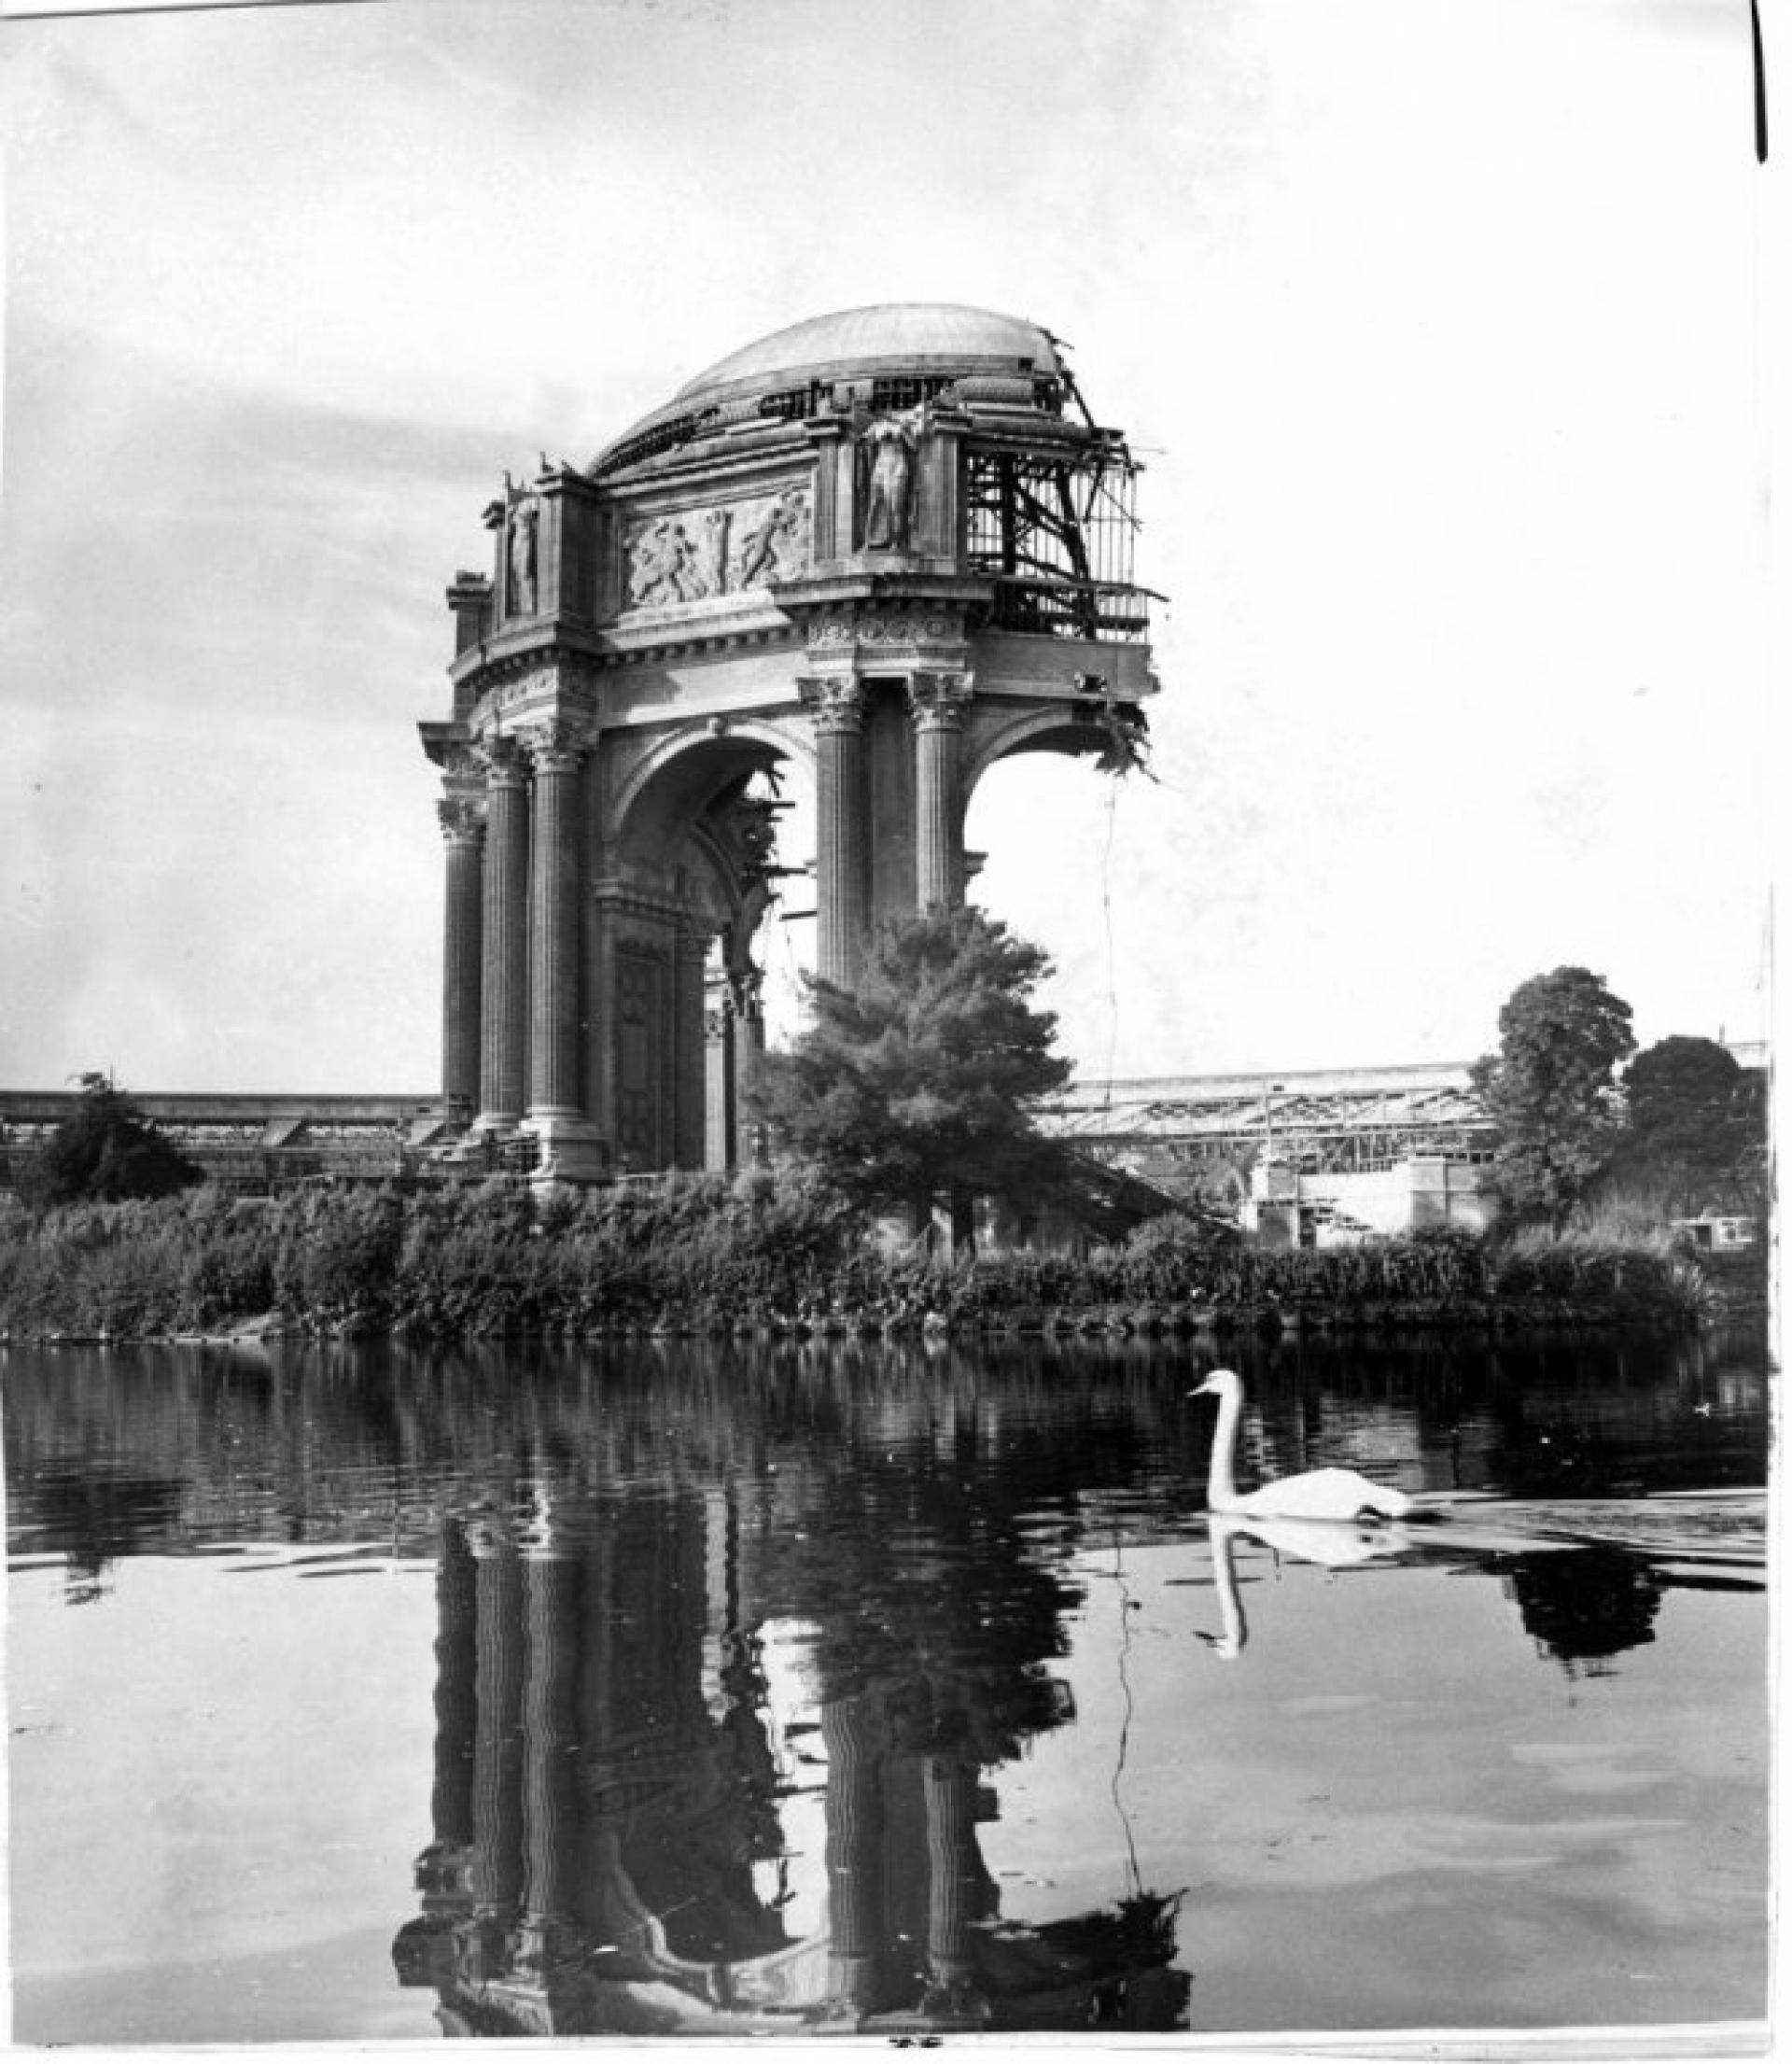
[(894, 341), (890, 332)]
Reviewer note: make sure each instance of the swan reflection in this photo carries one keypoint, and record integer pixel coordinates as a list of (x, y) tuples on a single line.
[(1330, 1544)]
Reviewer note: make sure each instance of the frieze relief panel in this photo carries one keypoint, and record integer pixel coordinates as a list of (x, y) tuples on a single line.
[(697, 554)]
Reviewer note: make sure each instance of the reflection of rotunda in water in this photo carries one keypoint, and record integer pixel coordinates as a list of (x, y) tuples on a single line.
[(611, 1791)]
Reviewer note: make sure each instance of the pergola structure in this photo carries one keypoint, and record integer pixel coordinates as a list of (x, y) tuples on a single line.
[(888, 547)]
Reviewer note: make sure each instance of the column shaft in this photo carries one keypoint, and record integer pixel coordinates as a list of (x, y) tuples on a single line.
[(554, 933), (464, 833), (689, 1080), (936, 701), (503, 1017), (842, 872)]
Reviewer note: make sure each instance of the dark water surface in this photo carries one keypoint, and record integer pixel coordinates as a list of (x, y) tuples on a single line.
[(375, 1693)]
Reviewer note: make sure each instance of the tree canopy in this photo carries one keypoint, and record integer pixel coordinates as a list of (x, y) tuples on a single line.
[(918, 1084), (1550, 1088), (1696, 1122), (104, 1151)]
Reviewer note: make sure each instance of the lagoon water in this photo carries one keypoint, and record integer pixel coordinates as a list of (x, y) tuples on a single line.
[(383, 1694)]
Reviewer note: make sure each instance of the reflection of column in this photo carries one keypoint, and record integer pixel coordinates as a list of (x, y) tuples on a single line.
[(498, 1742), (503, 1019), (842, 862), (450, 1801), (463, 831), (949, 1787), (854, 1850), (568, 1141), (936, 702), (549, 1818)]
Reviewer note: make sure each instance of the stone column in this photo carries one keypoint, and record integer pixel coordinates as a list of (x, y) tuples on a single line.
[(936, 703), (690, 1053), (570, 1149), (842, 861), (463, 831), (504, 944), (719, 1077)]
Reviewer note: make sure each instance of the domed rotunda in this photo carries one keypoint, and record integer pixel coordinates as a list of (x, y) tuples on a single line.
[(879, 550)]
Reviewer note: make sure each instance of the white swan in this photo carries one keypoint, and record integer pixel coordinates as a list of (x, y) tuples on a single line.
[(1316, 1495)]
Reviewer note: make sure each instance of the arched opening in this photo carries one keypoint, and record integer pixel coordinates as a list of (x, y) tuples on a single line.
[(706, 855), (1040, 825)]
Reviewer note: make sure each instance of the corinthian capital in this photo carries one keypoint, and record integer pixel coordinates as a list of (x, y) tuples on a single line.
[(503, 763), (556, 747), (936, 700), (836, 702)]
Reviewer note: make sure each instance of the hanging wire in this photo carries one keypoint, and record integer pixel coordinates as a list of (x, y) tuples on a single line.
[(1107, 921)]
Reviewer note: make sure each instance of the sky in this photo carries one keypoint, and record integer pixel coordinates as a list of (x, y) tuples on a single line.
[(1441, 331)]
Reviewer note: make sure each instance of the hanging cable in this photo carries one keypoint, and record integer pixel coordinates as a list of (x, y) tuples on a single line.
[(1107, 921)]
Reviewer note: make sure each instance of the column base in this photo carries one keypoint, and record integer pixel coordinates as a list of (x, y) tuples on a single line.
[(572, 1150), (496, 1121)]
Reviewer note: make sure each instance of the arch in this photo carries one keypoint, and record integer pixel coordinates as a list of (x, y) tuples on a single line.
[(684, 771), (1067, 729)]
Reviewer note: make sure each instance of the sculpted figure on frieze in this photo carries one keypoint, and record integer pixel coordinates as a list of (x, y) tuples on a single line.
[(686, 557), (777, 545), (657, 564)]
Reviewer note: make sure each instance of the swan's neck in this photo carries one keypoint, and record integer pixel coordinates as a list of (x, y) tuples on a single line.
[(1221, 1491)]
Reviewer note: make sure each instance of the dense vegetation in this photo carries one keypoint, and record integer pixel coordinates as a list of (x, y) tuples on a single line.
[(710, 1256)]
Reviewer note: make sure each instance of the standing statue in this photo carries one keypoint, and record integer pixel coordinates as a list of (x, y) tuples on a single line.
[(524, 516), (890, 441)]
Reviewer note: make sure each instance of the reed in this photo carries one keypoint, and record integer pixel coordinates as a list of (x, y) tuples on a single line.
[(712, 1253)]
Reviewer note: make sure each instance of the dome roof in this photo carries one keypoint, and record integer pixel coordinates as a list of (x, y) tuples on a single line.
[(928, 340), (891, 331)]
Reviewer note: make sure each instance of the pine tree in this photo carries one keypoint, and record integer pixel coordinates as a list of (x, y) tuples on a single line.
[(106, 1150), (916, 1086)]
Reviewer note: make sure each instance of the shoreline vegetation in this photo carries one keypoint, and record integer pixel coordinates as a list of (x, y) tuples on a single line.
[(777, 1256)]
